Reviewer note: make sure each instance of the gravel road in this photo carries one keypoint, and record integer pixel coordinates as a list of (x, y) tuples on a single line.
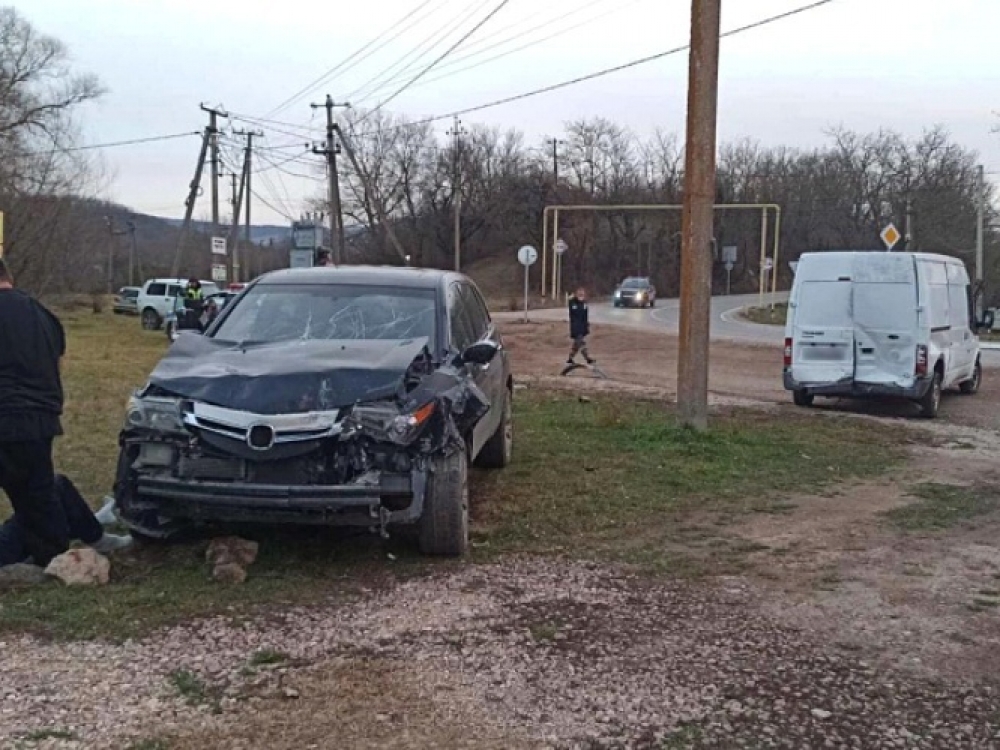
[(534, 653)]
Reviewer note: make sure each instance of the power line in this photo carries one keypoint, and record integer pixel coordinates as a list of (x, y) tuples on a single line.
[(478, 53), (615, 69), (440, 57), (113, 144), (393, 73), (273, 208), (339, 67)]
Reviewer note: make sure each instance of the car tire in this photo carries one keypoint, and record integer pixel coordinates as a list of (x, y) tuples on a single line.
[(151, 320), (931, 401), (971, 386), (444, 523), (497, 451), (803, 398), (652, 303)]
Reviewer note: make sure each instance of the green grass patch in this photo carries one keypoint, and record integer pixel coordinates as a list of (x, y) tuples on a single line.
[(40, 735), (609, 479), (943, 506), (267, 656), (767, 315)]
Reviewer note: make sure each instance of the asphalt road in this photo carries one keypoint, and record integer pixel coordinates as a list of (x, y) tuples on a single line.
[(726, 323)]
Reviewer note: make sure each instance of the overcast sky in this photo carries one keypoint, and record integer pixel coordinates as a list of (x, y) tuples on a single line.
[(865, 64)]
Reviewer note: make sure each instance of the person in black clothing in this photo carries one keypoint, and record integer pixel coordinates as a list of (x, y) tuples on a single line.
[(81, 521), (579, 326), (31, 400)]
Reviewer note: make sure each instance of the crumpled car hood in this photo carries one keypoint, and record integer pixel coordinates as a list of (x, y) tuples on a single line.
[(287, 377)]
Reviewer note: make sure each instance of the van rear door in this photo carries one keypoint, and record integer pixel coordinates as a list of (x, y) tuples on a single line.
[(885, 319), (823, 332)]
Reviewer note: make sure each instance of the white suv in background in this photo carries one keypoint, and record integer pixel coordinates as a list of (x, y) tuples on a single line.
[(156, 299)]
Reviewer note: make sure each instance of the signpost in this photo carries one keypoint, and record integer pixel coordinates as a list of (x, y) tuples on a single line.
[(526, 256), (890, 236), (218, 246), (560, 248), (729, 260)]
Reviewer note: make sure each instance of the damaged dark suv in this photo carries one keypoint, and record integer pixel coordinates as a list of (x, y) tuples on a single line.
[(335, 396)]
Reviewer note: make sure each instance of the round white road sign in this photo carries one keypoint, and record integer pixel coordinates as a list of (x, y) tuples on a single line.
[(527, 255), (561, 247)]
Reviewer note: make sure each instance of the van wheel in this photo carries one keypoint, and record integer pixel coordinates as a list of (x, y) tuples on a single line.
[(931, 401), (803, 398), (150, 319), (971, 385), (444, 524)]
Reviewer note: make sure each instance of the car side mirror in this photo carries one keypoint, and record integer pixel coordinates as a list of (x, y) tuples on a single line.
[(480, 353)]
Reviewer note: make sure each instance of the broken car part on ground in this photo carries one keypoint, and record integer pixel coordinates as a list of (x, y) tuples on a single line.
[(324, 396)]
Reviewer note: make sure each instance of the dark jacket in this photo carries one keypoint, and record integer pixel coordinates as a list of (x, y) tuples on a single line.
[(579, 324), (31, 343)]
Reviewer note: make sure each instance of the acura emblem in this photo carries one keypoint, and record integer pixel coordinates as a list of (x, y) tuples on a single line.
[(260, 437)]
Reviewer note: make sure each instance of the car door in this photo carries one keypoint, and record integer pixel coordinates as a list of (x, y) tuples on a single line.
[(963, 338), (465, 330)]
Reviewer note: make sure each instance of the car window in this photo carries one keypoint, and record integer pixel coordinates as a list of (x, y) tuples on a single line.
[(479, 316), (175, 291), (459, 320), (156, 290), (131, 293), (287, 312)]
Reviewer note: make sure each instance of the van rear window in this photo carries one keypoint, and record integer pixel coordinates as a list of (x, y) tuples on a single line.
[(824, 304)]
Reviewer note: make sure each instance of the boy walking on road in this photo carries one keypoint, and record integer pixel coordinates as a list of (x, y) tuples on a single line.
[(579, 326)]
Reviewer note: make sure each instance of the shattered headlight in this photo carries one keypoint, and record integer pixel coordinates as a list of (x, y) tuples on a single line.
[(151, 413), (385, 422)]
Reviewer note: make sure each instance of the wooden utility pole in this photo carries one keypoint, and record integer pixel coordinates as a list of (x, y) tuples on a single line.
[(697, 222), (330, 151)]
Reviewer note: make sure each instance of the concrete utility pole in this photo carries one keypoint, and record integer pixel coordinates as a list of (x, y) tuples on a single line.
[(456, 188), (232, 243), (555, 161), (697, 222), (195, 186), (980, 222), (908, 231), (213, 129), (247, 173), (330, 150)]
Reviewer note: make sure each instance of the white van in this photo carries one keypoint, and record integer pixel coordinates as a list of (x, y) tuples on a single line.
[(157, 296), (869, 324)]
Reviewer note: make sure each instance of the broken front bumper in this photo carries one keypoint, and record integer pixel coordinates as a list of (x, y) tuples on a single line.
[(851, 388)]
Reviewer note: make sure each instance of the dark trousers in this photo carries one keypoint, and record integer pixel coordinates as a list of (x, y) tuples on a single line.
[(39, 528)]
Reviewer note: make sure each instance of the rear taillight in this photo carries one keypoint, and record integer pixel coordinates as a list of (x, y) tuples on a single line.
[(788, 352), (920, 369)]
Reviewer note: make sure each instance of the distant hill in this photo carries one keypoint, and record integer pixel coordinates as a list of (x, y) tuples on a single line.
[(259, 234)]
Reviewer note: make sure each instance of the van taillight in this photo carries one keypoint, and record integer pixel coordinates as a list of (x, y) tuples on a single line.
[(788, 352), (921, 367)]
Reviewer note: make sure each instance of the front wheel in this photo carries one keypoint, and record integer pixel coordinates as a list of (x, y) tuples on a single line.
[(444, 523), (497, 451), (971, 385), (931, 401), (150, 319), (802, 398), (652, 303)]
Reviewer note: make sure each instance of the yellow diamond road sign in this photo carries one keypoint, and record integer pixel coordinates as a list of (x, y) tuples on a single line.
[(890, 236)]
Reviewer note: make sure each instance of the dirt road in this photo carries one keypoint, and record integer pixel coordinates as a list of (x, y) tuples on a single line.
[(738, 371)]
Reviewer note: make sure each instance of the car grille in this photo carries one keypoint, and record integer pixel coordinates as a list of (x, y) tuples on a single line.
[(263, 431)]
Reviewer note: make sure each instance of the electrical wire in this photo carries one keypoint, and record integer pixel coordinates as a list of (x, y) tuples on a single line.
[(277, 210), (340, 67), (476, 54), (608, 71), (440, 57), (113, 144), (394, 72)]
